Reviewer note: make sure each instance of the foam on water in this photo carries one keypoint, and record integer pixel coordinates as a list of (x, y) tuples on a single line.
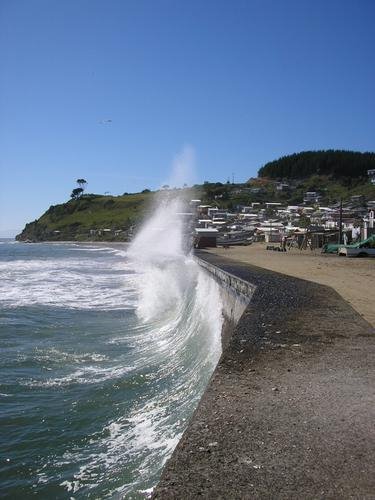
[(85, 282)]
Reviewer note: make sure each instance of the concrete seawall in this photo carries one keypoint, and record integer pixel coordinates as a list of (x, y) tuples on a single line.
[(289, 411), (236, 295)]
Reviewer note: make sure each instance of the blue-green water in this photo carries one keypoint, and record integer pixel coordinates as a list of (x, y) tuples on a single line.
[(102, 362)]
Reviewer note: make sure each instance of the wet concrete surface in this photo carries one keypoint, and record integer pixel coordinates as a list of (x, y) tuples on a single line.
[(290, 409)]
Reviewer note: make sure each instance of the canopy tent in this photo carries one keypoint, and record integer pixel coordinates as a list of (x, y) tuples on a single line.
[(333, 247)]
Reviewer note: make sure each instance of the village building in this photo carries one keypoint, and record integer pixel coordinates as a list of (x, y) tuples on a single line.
[(205, 237), (312, 197), (371, 175)]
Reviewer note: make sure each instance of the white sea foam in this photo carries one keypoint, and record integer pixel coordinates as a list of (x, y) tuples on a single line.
[(86, 282), (54, 355), (85, 375)]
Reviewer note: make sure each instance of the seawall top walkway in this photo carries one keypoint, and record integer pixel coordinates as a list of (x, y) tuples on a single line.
[(289, 411)]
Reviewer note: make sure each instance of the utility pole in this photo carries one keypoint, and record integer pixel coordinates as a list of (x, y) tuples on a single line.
[(340, 223)]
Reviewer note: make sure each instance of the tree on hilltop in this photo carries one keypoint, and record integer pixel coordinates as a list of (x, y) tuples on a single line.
[(82, 183), (76, 193)]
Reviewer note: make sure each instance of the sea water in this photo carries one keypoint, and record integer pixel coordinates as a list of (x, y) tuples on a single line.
[(105, 351)]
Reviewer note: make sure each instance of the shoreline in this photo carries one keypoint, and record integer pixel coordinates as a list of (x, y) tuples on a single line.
[(288, 412)]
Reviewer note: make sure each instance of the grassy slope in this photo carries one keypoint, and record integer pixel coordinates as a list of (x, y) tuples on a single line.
[(75, 218)]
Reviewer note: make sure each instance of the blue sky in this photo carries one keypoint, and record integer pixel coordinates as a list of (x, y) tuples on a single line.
[(240, 82)]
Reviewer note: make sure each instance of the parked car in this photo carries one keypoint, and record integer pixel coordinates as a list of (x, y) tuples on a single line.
[(357, 252), (364, 248)]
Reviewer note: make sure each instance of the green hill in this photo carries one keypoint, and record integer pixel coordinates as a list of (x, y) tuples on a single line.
[(333, 174), (335, 163), (87, 217)]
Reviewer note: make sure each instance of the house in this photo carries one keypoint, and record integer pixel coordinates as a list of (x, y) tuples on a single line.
[(211, 211), (273, 230), (204, 223), (371, 175), (248, 216), (203, 209), (246, 210), (219, 214), (311, 197), (272, 205), (294, 208), (205, 237), (282, 186)]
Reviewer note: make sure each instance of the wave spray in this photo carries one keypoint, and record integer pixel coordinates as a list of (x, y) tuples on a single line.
[(180, 309)]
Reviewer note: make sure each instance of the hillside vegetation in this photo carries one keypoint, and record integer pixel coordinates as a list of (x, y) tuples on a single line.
[(335, 163), (264, 190), (75, 219)]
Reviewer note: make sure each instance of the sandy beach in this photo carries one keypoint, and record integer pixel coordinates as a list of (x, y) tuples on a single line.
[(353, 279)]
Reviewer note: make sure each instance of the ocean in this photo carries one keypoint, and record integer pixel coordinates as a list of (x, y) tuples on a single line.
[(105, 351)]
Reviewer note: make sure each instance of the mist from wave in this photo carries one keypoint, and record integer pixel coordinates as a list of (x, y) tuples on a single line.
[(106, 351)]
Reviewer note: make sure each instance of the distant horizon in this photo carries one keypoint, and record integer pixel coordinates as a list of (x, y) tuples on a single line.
[(12, 233)]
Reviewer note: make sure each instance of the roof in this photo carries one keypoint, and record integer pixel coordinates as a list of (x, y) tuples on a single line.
[(209, 230)]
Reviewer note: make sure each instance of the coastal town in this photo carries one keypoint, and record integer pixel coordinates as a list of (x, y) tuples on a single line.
[(329, 213), (309, 225)]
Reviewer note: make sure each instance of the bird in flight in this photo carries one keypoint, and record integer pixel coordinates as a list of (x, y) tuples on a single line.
[(103, 122)]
